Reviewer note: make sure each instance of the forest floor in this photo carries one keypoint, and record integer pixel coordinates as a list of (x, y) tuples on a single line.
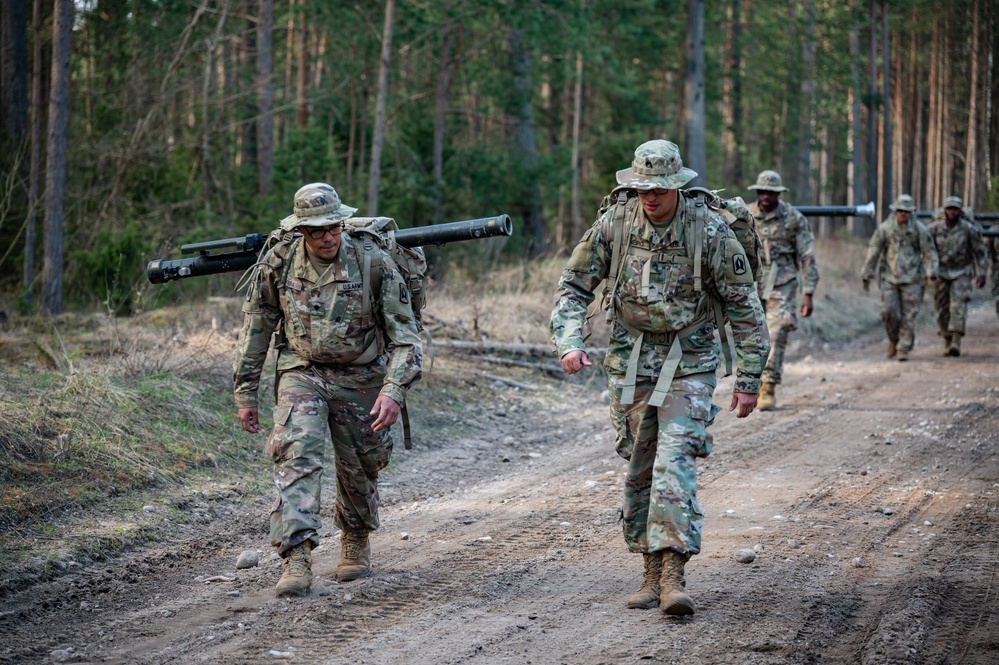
[(870, 495)]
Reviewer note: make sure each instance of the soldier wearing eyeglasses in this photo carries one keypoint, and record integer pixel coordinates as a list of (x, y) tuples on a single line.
[(347, 353)]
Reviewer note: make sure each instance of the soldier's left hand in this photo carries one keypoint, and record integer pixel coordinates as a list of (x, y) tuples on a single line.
[(980, 281), (744, 402), (387, 411), (806, 305)]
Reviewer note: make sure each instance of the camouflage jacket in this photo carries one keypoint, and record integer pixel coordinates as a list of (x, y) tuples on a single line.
[(904, 254), (788, 247), (320, 321), (960, 249), (656, 295)]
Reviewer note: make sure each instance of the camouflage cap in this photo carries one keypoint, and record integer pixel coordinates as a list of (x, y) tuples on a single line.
[(769, 181), (657, 165), (953, 202), (903, 202), (317, 204)]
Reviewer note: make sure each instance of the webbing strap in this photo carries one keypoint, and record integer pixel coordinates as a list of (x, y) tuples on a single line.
[(407, 438), (668, 370), (723, 334), (366, 281), (622, 230), (631, 374), (698, 239)]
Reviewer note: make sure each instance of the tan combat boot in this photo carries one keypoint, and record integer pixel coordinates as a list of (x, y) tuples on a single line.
[(297, 576), (673, 600), (903, 355), (955, 346), (947, 339), (767, 401), (892, 348), (647, 595), (355, 557)]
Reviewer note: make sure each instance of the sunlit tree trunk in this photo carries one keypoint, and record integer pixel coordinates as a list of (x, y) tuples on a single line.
[(56, 168), (858, 225), (379, 131), (887, 118), (971, 154), (807, 94), (872, 110), (302, 66)]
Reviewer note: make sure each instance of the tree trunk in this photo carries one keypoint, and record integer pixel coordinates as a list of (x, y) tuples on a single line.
[(807, 95), (886, 69), (527, 141), (302, 81), (931, 116), (577, 123), (265, 98), (441, 104), (351, 134), (858, 225), (872, 111), (56, 166), (15, 70), (379, 132), (36, 153), (696, 150), (732, 98), (971, 156)]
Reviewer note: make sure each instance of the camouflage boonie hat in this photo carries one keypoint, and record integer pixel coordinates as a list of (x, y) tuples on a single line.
[(953, 202), (657, 165), (317, 204), (769, 181), (903, 202)]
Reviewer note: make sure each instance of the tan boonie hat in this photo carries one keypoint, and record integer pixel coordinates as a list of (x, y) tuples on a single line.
[(953, 202), (657, 165), (317, 204), (769, 181), (903, 202)]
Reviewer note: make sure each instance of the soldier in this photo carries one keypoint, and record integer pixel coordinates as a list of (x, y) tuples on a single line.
[(662, 354), (902, 249), (788, 257), (348, 352), (961, 252)]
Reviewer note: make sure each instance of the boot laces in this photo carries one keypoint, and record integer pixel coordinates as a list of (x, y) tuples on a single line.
[(296, 564), (351, 547)]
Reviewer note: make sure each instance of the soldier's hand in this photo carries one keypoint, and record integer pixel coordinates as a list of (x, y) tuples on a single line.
[(806, 305), (387, 411), (867, 284), (574, 361), (248, 419), (980, 281), (744, 402)]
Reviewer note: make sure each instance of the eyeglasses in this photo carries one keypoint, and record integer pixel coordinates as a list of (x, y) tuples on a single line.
[(319, 232), (653, 192)]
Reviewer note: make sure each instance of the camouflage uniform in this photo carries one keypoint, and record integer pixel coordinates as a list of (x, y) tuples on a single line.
[(905, 255), (962, 255), (788, 257), (333, 362), (660, 322)]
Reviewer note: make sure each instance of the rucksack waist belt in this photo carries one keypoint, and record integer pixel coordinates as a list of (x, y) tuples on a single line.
[(668, 369)]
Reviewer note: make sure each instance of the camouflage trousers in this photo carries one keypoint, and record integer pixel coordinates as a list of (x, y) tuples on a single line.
[(662, 445), (951, 298), (899, 308), (311, 408), (782, 318)]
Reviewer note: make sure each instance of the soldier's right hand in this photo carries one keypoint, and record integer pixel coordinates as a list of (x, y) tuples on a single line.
[(248, 419), (574, 361)]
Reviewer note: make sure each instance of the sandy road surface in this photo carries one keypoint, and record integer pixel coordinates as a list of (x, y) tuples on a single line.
[(873, 492)]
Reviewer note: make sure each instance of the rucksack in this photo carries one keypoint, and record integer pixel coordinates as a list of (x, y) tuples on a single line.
[(697, 201)]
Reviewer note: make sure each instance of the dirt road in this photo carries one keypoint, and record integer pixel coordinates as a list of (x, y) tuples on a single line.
[(871, 496)]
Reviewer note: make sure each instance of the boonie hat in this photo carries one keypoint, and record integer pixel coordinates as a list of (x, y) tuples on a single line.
[(903, 202), (952, 202), (317, 204), (769, 181), (657, 165)]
